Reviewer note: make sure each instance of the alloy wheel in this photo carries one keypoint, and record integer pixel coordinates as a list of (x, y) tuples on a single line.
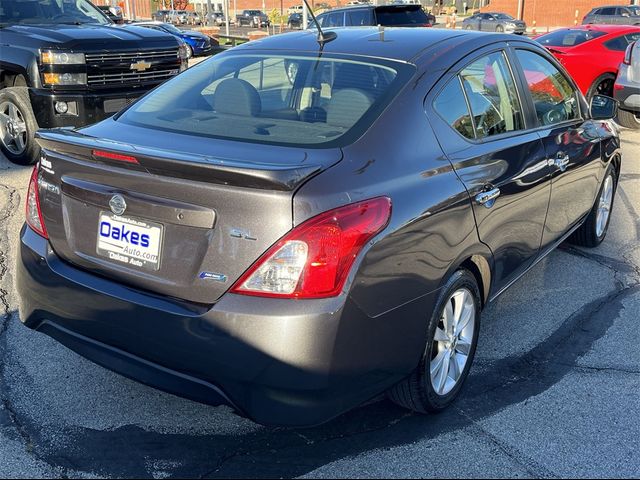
[(13, 128), (452, 341), (604, 206)]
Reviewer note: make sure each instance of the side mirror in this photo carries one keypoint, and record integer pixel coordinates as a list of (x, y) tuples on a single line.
[(603, 108), (625, 14)]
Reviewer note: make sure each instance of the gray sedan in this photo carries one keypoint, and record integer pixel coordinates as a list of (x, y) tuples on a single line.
[(494, 22)]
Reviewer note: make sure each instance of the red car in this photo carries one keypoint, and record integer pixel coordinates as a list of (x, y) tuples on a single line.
[(591, 53)]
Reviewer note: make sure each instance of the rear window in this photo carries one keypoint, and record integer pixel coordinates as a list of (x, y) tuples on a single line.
[(568, 38), (410, 15), (281, 100)]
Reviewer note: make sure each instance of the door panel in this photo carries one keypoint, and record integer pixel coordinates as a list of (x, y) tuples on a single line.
[(505, 162), (572, 145)]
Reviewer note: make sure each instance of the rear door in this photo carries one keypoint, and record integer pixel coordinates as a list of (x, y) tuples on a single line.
[(500, 161), (607, 15), (571, 142)]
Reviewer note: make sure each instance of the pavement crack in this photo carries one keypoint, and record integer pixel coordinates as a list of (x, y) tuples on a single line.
[(595, 368)]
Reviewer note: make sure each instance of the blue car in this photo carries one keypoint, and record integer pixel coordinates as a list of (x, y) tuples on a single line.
[(198, 43)]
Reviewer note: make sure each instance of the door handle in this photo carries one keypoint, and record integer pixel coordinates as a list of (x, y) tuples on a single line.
[(488, 198), (561, 161)]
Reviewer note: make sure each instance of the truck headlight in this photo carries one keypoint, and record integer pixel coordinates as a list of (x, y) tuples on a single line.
[(51, 57), (65, 78)]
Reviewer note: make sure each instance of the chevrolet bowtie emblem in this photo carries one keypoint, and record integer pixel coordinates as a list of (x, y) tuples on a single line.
[(140, 66)]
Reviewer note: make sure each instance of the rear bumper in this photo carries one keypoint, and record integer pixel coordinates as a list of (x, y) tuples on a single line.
[(279, 363), (626, 91)]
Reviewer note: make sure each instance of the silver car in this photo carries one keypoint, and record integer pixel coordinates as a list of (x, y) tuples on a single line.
[(627, 88), (614, 15), (494, 22)]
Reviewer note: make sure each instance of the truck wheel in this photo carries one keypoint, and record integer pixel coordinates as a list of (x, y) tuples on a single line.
[(18, 126), (628, 119)]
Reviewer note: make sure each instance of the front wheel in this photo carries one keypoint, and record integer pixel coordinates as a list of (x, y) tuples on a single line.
[(628, 119), (592, 232), (18, 126), (452, 336), (499, 29)]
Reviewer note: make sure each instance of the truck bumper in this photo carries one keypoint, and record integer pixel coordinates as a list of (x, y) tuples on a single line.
[(83, 109)]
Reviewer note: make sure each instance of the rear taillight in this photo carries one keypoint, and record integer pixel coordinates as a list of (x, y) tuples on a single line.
[(114, 156), (628, 53), (314, 259), (33, 212)]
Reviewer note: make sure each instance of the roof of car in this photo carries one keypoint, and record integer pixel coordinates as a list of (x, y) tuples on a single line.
[(370, 6), (607, 28), (392, 43)]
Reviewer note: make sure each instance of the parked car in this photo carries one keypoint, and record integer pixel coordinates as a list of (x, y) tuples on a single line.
[(252, 18), (160, 16), (295, 9), (197, 43), (591, 53), (369, 15), (626, 88), (233, 239), (216, 18), (494, 22), (55, 72), (295, 20), (177, 17), (114, 13), (613, 15), (193, 18)]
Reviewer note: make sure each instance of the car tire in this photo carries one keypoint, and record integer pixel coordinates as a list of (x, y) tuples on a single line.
[(603, 85), (499, 29), (467, 27), (16, 112), (594, 229), (190, 53), (628, 119), (432, 389)]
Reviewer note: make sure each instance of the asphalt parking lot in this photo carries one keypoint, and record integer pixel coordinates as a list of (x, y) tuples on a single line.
[(554, 391)]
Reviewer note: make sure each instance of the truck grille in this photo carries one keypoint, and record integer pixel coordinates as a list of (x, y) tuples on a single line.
[(132, 77), (113, 69)]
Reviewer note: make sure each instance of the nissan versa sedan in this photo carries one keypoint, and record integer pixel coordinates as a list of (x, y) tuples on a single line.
[(293, 249)]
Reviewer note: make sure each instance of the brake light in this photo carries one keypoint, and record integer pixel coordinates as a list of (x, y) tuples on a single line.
[(628, 54), (33, 212), (314, 259), (114, 156)]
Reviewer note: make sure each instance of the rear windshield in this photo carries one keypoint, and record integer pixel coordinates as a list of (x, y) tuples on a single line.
[(282, 100), (568, 38), (410, 15)]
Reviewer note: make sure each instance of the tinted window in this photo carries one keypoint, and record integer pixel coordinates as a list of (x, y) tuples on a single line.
[(334, 20), (608, 11), (619, 44), (622, 11), (50, 11), (554, 98), (359, 18), (491, 92), (323, 101), (452, 107), (568, 37), (503, 16), (388, 16)]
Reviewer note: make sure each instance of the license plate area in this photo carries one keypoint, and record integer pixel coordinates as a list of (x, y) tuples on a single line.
[(130, 241)]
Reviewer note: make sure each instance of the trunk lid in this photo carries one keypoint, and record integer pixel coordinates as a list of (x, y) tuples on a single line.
[(210, 215)]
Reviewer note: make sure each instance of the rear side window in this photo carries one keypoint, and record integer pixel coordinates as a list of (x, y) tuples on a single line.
[(452, 106), (389, 16), (620, 44), (554, 99), (334, 20), (492, 96), (568, 37), (359, 18), (273, 99), (608, 11)]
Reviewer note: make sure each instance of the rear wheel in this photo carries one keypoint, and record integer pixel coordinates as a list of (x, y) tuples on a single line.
[(452, 335), (603, 85), (592, 232), (628, 119), (18, 126), (467, 27)]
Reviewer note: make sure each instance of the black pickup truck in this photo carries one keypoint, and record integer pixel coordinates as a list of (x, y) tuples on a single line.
[(63, 63)]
